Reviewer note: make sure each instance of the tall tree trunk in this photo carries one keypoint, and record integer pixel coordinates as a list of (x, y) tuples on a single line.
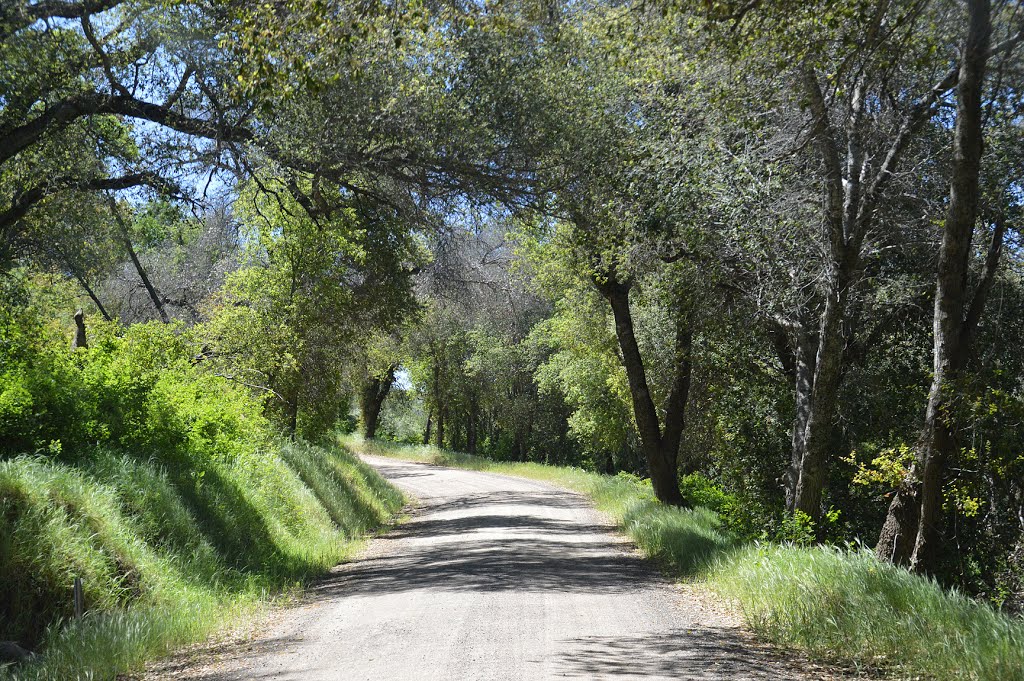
[(817, 397), (661, 447), (126, 238), (439, 428), (374, 392), (853, 183), (920, 494), (804, 355), (822, 409), (427, 430)]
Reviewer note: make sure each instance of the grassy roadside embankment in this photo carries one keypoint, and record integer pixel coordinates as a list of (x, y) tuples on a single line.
[(136, 466), (167, 553), (838, 605)]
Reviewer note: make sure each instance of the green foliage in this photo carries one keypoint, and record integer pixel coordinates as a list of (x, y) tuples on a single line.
[(584, 368), (135, 387), (402, 417), (132, 465), (796, 528), (289, 322), (162, 221), (700, 490), (888, 468)]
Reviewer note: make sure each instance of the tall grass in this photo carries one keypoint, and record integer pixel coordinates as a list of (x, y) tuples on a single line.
[(167, 551), (836, 604), (846, 604)]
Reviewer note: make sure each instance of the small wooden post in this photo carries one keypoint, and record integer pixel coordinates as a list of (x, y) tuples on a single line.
[(79, 598)]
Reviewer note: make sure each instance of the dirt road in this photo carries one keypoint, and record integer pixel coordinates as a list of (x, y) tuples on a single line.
[(498, 578)]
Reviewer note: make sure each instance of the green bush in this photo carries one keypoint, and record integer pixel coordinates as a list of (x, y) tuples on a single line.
[(137, 388), (161, 485)]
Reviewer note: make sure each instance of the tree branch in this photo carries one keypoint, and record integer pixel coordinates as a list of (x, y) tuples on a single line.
[(27, 199), (822, 133), (988, 273), (922, 110), (126, 237), (24, 15)]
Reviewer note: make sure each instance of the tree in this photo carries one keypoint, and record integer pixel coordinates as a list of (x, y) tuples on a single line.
[(912, 527), (863, 79), (380, 360), (290, 321), (148, 95), (585, 135)]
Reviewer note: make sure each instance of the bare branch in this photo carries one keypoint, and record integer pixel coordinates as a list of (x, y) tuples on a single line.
[(108, 68), (15, 18)]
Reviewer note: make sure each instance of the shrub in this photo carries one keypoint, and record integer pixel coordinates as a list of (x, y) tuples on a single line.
[(161, 485)]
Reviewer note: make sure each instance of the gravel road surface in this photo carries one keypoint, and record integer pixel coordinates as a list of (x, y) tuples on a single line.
[(496, 577)]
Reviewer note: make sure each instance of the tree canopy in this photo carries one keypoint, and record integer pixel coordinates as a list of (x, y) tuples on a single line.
[(772, 246)]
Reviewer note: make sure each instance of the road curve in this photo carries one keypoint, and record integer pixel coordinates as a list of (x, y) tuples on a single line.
[(500, 578)]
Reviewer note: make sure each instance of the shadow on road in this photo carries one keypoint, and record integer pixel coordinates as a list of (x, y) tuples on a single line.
[(546, 558), (516, 540), (699, 653), (516, 582)]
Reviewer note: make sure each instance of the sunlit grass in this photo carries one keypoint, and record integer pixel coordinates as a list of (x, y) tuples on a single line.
[(167, 555), (836, 604), (847, 605)]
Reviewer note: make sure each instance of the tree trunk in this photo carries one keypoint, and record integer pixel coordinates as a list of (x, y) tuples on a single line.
[(822, 408), (817, 402), (375, 391), (426, 431), (126, 238), (661, 449), (804, 357), (922, 489), (79, 340), (439, 428)]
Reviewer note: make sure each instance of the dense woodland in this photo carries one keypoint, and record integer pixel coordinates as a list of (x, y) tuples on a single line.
[(770, 248)]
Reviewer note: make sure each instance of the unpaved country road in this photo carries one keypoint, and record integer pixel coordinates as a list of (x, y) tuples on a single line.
[(497, 578)]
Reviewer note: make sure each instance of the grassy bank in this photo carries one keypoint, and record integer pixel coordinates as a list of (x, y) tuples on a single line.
[(840, 605), (168, 549)]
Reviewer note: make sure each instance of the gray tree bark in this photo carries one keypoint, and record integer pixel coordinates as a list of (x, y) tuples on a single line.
[(802, 375), (912, 527)]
